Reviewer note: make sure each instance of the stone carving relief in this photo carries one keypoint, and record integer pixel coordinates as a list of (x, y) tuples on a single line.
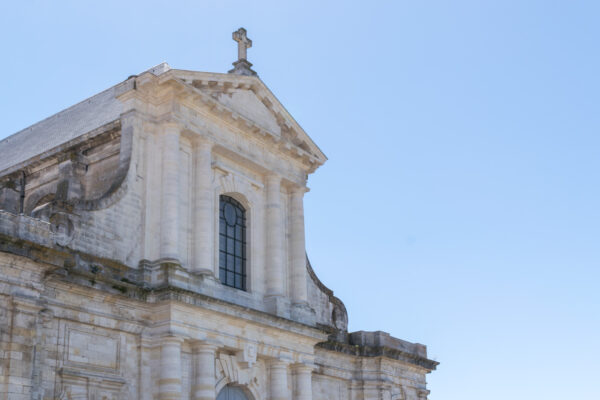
[(230, 371), (339, 317), (63, 226), (232, 183), (247, 357)]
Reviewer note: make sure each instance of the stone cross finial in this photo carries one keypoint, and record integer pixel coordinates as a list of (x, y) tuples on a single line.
[(244, 43), (242, 66)]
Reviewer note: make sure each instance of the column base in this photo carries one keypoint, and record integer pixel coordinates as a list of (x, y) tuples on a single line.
[(162, 272), (203, 272), (302, 312), (277, 305)]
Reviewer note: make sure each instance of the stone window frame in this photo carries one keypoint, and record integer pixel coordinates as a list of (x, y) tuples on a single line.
[(248, 192), (249, 204), (233, 243)]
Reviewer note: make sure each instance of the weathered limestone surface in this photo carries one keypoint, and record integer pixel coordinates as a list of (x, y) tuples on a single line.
[(109, 255)]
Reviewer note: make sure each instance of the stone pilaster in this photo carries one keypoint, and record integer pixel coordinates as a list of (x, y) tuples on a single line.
[(275, 236), (169, 219), (278, 380), (169, 383), (203, 387), (20, 354), (297, 246), (45, 330), (203, 209), (145, 349), (302, 382)]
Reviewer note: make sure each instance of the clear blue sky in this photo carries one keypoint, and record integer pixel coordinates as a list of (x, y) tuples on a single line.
[(460, 206)]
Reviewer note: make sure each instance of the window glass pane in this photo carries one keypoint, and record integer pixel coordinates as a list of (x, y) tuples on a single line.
[(232, 242), (230, 214)]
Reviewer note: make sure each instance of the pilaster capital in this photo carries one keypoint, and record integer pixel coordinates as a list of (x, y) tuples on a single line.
[(203, 346), (130, 116), (273, 178), (203, 144), (303, 368), (171, 339), (298, 190), (279, 363), (171, 127)]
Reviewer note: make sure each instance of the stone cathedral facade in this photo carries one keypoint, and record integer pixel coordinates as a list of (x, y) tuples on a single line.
[(152, 247)]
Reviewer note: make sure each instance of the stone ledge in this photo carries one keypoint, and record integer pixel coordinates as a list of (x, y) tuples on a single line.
[(379, 351), (384, 339), (19, 226), (91, 272)]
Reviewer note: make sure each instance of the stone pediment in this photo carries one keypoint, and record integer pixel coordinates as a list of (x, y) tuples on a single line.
[(248, 98), (245, 103)]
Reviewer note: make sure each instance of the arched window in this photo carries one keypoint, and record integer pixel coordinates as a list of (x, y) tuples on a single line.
[(232, 393), (232, 243)]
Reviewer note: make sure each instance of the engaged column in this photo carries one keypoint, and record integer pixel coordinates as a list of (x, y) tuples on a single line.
[(204, 386)]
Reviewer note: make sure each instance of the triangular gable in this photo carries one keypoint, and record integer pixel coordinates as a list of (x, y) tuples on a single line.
[(249, 97), (247, 104)]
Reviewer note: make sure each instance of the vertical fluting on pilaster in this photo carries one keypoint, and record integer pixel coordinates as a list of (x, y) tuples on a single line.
[(278, 384), (204, 385), (297, 246), (275, 281), (169, 222), (203, 209), (169, 383), (303, 382)]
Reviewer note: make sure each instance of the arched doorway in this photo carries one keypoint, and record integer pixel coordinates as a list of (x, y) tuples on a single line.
[(232, 393)]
